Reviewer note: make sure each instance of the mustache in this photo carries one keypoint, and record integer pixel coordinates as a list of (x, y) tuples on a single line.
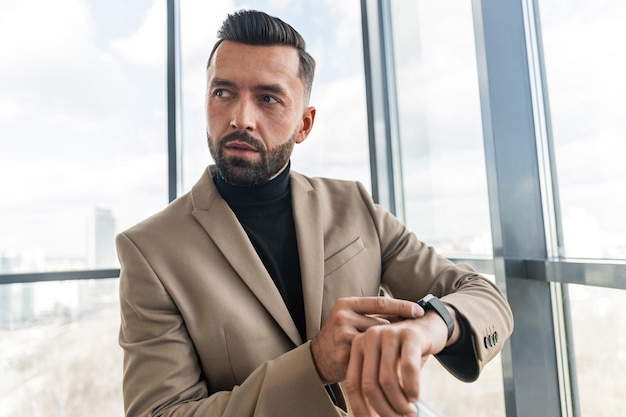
[(242, 137)]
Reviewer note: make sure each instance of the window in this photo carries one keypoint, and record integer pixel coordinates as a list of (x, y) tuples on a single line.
[(585, 62), (59, 349), (444, 179), (443, 167), (82, 156), (597, 315), (337, 146), (82, 115)]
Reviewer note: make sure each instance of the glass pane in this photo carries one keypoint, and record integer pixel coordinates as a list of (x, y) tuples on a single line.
[(585, 60), (82, 116), (58, 349), (445, 185), (598, 316), (447, 396), (337, 147), (482, 398)]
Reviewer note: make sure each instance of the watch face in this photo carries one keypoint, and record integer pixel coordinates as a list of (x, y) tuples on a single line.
[(427, 298), (424, 302), (430, 302)]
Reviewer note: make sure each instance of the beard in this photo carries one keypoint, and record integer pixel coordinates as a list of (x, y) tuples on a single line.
[(244, 172)]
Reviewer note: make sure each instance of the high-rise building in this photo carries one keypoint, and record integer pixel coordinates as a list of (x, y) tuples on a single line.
[(102, 240), (16, 300)]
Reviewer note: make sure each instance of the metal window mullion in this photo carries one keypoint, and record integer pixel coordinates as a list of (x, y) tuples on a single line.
[(516, 206), (382, 113), (552, 209), (23, 278), (174, 147)]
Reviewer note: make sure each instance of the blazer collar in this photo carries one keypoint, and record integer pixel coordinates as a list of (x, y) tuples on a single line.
[(219, 221), (310, 237)]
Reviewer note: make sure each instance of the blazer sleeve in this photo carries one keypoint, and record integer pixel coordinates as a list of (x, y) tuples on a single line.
[(162, 374), (411, 269)]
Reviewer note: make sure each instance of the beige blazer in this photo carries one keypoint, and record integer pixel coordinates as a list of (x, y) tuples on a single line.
[(205, 332)]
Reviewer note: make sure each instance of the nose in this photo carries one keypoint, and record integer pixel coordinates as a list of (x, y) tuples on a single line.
[(243, 115)]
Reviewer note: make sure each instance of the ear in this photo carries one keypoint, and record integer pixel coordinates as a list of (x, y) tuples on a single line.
[(308, 117)]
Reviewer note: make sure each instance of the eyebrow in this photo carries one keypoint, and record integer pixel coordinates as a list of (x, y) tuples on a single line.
[(270, 88), (218, 82)]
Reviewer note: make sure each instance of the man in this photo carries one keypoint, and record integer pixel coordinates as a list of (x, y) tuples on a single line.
[(257, 293)]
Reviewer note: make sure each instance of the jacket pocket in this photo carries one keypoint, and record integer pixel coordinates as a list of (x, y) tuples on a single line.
[(344, 255)]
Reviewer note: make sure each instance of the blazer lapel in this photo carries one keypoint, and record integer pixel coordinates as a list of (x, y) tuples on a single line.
[(219, 221), (310, 237)]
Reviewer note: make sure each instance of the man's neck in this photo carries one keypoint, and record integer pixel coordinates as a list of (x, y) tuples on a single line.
[(237, 194)]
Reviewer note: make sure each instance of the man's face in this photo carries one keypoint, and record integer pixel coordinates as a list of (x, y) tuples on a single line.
[(255, 110)]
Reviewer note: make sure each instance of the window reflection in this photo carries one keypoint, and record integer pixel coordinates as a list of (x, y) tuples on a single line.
[(600, 348), (58, 349), (445, 186), (447, 396), (585, 60), (82, 116)]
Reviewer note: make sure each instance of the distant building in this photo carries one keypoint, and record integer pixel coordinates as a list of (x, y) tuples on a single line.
[(92, 294), (16, 300), (102, 254)]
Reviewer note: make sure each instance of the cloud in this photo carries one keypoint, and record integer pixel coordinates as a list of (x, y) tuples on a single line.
[(585, 62), (338, 144), (199, 24), (147, 46), (82, 107), (40, 31), (65, 115), (53, 63)]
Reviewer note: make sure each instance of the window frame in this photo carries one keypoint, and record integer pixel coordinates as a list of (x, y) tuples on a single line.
[(508, 42)]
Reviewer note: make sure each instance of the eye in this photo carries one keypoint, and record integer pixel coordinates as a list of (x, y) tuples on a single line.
[(269, 99), (220, 92)]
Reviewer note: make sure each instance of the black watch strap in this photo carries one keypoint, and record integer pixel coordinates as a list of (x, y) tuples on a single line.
[(430, 302)]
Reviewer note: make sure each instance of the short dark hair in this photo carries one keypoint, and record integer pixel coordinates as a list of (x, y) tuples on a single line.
[(252, 27)]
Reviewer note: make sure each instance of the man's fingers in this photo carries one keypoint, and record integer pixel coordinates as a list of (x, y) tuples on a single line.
[(410, 371), (384, 306), (360, 322), (372, 380), (369, 350), (389, 317), (350, 317), (363, 324), (389, 378), (380, 380), (358, 403)]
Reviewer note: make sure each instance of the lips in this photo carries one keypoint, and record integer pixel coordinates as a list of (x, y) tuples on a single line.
[(239, 149), (240, 146)]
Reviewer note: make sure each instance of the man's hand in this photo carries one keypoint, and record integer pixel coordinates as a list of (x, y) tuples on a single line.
[(349, 318), (385, 363)]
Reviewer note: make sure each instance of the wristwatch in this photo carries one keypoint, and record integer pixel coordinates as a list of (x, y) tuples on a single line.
[(430, 302)]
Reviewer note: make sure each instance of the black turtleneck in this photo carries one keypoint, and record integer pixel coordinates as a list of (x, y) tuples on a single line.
[(266, 215)]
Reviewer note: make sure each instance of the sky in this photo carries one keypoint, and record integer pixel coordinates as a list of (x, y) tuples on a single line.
[(83, 117), (83, 110), (585, 65)]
